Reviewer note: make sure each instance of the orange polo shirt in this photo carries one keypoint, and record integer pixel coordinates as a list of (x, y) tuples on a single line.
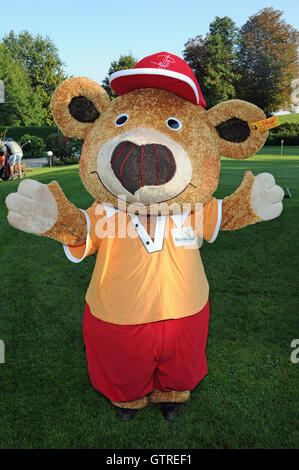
[(138, 279)]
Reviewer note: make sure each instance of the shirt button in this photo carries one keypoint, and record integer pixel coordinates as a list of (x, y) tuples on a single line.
[(136, 225), (147, 243)]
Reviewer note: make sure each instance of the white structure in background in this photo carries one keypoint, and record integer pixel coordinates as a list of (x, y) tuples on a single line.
[(2, 92), (294, 98), (295, 93), (2, 352)]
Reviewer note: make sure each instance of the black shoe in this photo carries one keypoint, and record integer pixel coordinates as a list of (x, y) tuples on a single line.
[(125, 414), (170, 410)]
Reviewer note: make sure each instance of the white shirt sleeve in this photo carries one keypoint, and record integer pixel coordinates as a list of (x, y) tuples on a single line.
[(218, 222), (67, 250)]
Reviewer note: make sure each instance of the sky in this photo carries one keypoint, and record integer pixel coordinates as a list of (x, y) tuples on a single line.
[(90, 34)]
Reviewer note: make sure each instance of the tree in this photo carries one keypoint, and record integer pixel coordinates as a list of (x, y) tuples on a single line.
[(213, 60), (267, 60), (40, 59), (23, 106), (124, 62)]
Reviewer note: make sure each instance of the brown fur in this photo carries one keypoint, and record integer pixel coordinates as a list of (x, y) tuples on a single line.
[(132, 405), (236, 208), (158, 396), (70, 227)]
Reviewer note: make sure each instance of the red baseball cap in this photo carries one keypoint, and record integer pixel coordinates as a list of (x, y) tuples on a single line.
[(162, 70)]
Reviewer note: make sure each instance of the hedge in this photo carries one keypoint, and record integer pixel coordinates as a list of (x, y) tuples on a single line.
[(35, 148), (63, 149), (17, 132), (288, 131)]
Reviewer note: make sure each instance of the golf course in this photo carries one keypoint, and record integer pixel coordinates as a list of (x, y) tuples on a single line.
[(249, 399)]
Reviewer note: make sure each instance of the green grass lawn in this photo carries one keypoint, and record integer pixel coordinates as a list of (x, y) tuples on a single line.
[(292, 117), (249, 398)]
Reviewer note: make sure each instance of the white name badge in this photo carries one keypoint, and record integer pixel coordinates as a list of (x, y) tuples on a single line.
[(183, 236)]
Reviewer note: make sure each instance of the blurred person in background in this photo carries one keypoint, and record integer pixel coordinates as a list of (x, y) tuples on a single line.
[(14, 154)]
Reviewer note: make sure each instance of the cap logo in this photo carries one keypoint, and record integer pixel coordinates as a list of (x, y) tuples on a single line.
[(165, 62)]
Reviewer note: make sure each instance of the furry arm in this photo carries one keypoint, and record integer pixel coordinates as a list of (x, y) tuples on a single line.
[(44, 210), (258, 198), (70, 227)]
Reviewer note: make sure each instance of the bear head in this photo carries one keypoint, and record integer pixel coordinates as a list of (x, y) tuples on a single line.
[(152, 145)]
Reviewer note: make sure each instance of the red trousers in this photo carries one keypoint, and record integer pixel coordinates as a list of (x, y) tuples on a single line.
[(127, 362)]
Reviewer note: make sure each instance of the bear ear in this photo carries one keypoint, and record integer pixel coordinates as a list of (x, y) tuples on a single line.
[(232, 120), (76, 104)]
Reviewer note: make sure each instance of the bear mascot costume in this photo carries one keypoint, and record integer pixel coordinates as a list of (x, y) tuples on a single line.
[(151, 160)]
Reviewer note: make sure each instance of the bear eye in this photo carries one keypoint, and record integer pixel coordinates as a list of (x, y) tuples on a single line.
[(174, 123), (121, 119)]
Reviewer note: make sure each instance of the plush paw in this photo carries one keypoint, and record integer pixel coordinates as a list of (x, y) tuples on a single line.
[(266, 197), (33, 208)]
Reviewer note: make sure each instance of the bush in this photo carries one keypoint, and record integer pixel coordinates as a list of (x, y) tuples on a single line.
[(36, 147), (288, 131), (67, 161), (53, 141), (66, 150)]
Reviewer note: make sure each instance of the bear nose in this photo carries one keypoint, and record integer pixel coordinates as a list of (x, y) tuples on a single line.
[(142, 165)]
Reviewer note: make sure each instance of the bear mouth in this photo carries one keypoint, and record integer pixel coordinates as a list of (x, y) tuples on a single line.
[(136, 166)]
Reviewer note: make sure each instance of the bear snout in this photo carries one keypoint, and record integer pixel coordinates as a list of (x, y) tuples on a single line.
[(136, 166)]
